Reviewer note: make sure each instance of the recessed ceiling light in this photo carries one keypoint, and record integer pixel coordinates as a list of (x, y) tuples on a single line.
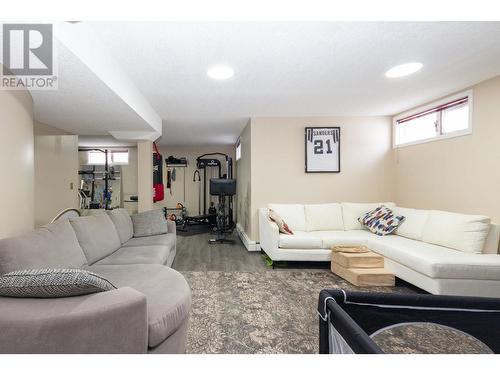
[(220, 72), (403, 70)]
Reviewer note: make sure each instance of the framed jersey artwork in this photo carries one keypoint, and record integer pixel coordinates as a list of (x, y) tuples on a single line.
[(322, 149)]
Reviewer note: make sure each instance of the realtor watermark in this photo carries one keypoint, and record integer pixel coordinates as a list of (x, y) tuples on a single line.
[(28, 57)]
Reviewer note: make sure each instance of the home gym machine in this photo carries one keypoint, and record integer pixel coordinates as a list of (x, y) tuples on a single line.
[(203, 162), (204, 221), (225, 189), (215, 218), (108, 174)]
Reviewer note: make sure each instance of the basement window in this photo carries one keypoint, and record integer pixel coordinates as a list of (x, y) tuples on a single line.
[(114, 157), (447, 118), (97, 158), (120, 157), (238, 151)]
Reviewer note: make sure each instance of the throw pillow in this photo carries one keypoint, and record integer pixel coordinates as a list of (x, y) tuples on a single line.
[(149, 223), (381, 221), (282, 226), (49, 283)]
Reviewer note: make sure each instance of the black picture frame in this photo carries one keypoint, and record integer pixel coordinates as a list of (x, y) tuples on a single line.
[(307, 131)]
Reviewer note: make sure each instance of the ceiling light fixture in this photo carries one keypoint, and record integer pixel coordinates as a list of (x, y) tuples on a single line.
[(403, 70), (220, 72)]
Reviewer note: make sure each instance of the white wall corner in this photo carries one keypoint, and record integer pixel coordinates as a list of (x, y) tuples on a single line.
[(249, 244), (134, 136), (80, 39)]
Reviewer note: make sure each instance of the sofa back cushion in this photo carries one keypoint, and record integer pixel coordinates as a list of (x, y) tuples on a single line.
[(150, 223), (352, 211), (414, 223), (466, 233), (492, 245), (97, 236), (292, 214), (123, 223), (323, 217), (51, 246)]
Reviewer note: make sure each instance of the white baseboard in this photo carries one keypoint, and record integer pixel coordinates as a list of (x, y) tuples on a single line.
[(249, 244)]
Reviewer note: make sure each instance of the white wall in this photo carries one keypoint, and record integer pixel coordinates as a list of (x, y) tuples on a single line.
[(277, 163), (145, 175), (244, 183), (56, 175), (39, 128), (129, 173), (16, 163), (459, 174)]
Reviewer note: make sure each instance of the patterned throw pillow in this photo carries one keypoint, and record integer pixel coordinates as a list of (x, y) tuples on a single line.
[(149, 223), (381, 221), (48, 283), (282, 226)]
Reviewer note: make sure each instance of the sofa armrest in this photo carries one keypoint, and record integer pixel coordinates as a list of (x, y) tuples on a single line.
[(268, 232), (108, 322), (172, 227)]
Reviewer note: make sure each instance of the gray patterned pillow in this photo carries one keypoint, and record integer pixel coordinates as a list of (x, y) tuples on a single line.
[(47, 283), (149, 223)]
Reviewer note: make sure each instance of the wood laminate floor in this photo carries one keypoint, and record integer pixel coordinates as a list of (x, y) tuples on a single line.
[(194, 253)]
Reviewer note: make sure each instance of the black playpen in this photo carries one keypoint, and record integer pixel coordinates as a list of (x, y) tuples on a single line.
[(360, 322)]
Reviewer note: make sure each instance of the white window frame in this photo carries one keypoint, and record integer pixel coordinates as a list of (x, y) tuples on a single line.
[(120, 152), (458, 133), (92, 152), (238, 150), (111, 160)]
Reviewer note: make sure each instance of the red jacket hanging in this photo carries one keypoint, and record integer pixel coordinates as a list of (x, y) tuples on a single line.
[(158, 187)]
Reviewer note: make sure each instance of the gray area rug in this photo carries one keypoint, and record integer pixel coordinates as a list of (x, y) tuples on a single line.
[(427, 338), (259, 312)]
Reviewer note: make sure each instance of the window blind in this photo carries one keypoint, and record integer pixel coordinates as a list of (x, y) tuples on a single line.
[(454, 103)]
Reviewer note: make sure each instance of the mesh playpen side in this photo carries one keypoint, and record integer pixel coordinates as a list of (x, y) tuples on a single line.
[(347, 320)]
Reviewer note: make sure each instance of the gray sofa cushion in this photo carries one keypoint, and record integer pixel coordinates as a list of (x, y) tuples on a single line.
[(52, 246), (149, 223), (123, 223), (167, 293), (105, 323), (160, 240), (138, 255), (97, 236), (49, 283)]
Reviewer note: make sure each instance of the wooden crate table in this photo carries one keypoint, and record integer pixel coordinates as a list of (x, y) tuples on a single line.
[(361, 268)]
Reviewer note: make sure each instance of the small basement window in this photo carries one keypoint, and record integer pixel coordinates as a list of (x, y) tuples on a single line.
[(447, 118), (120, 157), (114, 157), (97, 158), (238, 150)]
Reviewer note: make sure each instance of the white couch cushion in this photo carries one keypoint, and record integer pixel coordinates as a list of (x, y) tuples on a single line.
[(292, 214), (323, 217), (343, 237), (457, 231), (491, 244), (299, 240), (437, 261), (414, 223), (351, 212)]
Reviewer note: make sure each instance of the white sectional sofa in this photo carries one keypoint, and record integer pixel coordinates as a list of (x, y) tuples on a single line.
[(440, 252)]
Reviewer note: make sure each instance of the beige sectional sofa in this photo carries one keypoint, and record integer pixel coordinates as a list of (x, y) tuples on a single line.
[(147, 313), (440, 252)]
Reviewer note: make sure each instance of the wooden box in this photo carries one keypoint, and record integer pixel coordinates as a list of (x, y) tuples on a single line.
[(358, 260), (364, 276)]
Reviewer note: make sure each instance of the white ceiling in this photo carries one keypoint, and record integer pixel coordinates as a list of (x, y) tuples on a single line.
[(83, 104), (281, 69), (102, 141)]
